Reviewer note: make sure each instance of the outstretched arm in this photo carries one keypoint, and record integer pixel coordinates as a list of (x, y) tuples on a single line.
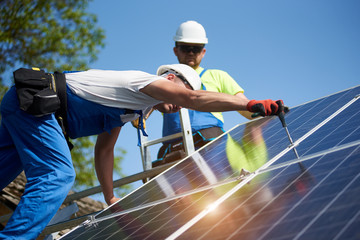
[(104, 162), (205, 101)]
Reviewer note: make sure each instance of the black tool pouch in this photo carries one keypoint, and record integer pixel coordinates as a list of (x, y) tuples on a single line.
[(36, 91)]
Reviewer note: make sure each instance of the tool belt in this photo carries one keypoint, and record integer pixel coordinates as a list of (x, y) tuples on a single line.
[(41, 93), (174, 151)]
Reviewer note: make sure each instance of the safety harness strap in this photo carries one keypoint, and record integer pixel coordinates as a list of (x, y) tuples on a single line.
[(141, 126)]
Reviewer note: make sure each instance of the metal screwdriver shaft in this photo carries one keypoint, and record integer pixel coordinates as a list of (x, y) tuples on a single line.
[(282, 119), (291, 141), (281, 115)]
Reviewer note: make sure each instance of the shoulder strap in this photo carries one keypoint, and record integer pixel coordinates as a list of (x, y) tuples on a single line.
[(202, 72)]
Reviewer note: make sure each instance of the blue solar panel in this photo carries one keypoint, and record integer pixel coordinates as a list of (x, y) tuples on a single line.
[(319, 201), (316, 198)]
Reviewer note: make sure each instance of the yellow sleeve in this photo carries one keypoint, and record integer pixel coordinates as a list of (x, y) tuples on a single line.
[(220, 81)]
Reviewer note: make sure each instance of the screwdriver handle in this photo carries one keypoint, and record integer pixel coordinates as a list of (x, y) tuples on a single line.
[(254, 115), (281, 112)]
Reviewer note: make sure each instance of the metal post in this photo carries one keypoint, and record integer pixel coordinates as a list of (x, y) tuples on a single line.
[(145, 153), (187, 132), (186, 135)]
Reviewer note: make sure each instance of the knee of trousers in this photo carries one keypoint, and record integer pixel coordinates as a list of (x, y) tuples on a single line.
[(67, 175), (64, 178)]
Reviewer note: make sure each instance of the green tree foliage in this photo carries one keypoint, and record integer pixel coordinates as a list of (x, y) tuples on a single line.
[(53, 35), (84, 164), (48, 34)]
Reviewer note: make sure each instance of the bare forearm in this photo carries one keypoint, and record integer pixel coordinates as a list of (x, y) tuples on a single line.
[(104, 161), (104, 170), (199, 100), (207, 101)]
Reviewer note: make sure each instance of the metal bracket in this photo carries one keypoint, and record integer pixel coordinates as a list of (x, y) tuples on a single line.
[(91, 222), (293, 145), (243, 174)]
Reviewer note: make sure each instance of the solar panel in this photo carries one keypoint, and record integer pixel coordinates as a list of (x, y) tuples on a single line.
[(318, 201), (248, 183)]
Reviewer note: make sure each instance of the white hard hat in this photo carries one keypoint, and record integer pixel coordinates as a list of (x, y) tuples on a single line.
[(187, 72), (191, 32)]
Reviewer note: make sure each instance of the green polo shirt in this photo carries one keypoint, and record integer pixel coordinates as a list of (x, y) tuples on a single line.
[(219, 81)]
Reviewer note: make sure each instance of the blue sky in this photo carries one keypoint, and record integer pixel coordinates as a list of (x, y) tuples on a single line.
[(281, 49)]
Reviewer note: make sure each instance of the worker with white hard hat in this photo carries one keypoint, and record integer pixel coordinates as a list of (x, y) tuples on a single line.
[(99, 102), (190, 40)]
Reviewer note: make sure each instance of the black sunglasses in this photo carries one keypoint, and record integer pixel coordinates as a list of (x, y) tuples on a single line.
[(189, 48)]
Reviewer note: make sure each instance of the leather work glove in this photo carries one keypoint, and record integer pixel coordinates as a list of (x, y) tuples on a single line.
[(135, 123), (263, 107)]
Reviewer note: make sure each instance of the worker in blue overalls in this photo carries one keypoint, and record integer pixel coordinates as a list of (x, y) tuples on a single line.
[(98, 102)]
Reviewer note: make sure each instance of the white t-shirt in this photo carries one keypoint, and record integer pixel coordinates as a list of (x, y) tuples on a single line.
[(110, 88)]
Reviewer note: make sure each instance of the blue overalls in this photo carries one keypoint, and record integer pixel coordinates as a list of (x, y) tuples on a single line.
[(198, 120), (37, 146)]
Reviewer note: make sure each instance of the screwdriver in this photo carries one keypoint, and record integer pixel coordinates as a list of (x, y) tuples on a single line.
[(305, 180), (281, 114)]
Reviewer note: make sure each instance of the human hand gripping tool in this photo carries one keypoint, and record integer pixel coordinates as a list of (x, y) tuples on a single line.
[(281, 114)]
